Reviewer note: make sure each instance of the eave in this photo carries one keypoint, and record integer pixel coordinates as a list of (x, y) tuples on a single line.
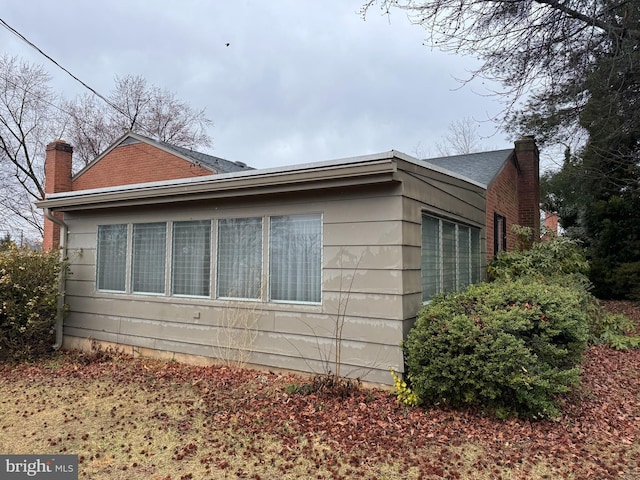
[(375, 169)]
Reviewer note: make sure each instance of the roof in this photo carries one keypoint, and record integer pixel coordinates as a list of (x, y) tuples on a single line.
[(220, 165), (209, 162), (482, 167), (368, 169)]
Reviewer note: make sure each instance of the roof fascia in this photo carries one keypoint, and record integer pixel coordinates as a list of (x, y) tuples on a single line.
[(278, 180)]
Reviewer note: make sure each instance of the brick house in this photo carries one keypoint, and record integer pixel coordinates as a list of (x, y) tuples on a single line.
[(159, 266), (512, 182), (131, 159)]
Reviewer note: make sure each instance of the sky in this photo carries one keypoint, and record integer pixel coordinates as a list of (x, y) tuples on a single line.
[(284, 81)]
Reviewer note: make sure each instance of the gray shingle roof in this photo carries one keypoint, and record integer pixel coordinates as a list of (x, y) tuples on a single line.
[(220, 165), (481, 167)]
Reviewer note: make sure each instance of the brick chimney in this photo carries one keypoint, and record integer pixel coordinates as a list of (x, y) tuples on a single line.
[(528, 184), (57, 178)]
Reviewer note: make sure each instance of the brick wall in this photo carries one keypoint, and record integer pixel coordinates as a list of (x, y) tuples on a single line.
[(529, 183), (502, 198), (515, 193), (57, 171), (124, 165), (136, 163)]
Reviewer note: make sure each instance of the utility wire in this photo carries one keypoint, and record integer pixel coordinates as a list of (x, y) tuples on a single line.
[(32, 45)]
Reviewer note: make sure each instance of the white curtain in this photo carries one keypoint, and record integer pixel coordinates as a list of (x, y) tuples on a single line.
[(239, 258), (191, 259), (449, 270), (430, 257), (295, 258), (149, 257), (464, 257), (112, 257)]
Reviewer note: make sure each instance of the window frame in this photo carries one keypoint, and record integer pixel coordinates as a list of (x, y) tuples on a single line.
[(206, 248), (319, 266), (499, 233), (474, 255), (125, 273), (135, 252), (164, 266), (261, 282)]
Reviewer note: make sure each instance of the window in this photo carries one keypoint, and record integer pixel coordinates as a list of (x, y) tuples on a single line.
[(295, 258), (112, 258), (191, 258), (149, 257), (450, 256), (476, 273), (464, 256), (175, 258), (499, 233), (239, 258), (430, 257)]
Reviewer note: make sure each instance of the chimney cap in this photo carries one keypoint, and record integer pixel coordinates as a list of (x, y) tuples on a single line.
[(60, 144)]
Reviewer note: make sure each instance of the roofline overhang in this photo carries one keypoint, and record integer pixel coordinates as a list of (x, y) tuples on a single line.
[(370, 169)]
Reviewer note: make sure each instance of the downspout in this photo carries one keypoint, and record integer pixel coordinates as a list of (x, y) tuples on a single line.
[(61, 277)]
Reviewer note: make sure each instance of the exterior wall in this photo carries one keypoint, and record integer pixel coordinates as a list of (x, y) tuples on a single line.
[(529, 183), (502, 198), (135, 163), (57, 179), (126, 164), (363, 237), (444, 197)]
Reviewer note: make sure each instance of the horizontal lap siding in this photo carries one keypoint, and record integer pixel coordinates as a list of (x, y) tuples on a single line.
[(363, 236), (440, 195)]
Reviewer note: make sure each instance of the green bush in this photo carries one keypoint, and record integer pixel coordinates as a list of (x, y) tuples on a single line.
[(511, 346), (559, 257), (28, 299), (561, 261)]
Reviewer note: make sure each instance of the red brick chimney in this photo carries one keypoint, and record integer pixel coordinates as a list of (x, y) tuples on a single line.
[(529, 184), (57, 178)]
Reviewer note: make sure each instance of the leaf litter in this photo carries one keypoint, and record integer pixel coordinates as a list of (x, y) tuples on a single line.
[(131, 417)]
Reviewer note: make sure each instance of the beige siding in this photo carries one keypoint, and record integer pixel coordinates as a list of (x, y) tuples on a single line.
[(371, 283), (428, 191), (362, 235)]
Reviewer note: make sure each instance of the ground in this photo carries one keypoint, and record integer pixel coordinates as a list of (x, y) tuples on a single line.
[(141, 418)]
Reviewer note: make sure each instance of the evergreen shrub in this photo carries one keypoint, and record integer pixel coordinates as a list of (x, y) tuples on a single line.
[(511, 346), (28, 302)]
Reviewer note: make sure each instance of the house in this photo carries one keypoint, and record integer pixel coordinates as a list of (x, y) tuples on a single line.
[(131, 159), (511, 180), (282, 267)]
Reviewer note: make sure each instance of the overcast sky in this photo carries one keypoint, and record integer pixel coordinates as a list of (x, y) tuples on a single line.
[(300, 80)]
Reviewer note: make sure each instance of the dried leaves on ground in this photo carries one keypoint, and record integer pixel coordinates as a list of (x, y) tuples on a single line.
[(141, 418)]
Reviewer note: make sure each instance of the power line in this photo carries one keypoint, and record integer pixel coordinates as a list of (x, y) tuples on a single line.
[(32, 45)]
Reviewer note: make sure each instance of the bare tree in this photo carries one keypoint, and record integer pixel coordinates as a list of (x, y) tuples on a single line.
[(29, 119), (541, 48), (462, 138), (136, 106), (31, 116)]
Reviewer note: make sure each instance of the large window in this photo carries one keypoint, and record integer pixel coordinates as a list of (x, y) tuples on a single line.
[(451, 256), (295, 258), (178, 258), (239, 258), (149, 257), (191, 258), (111, 262)]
